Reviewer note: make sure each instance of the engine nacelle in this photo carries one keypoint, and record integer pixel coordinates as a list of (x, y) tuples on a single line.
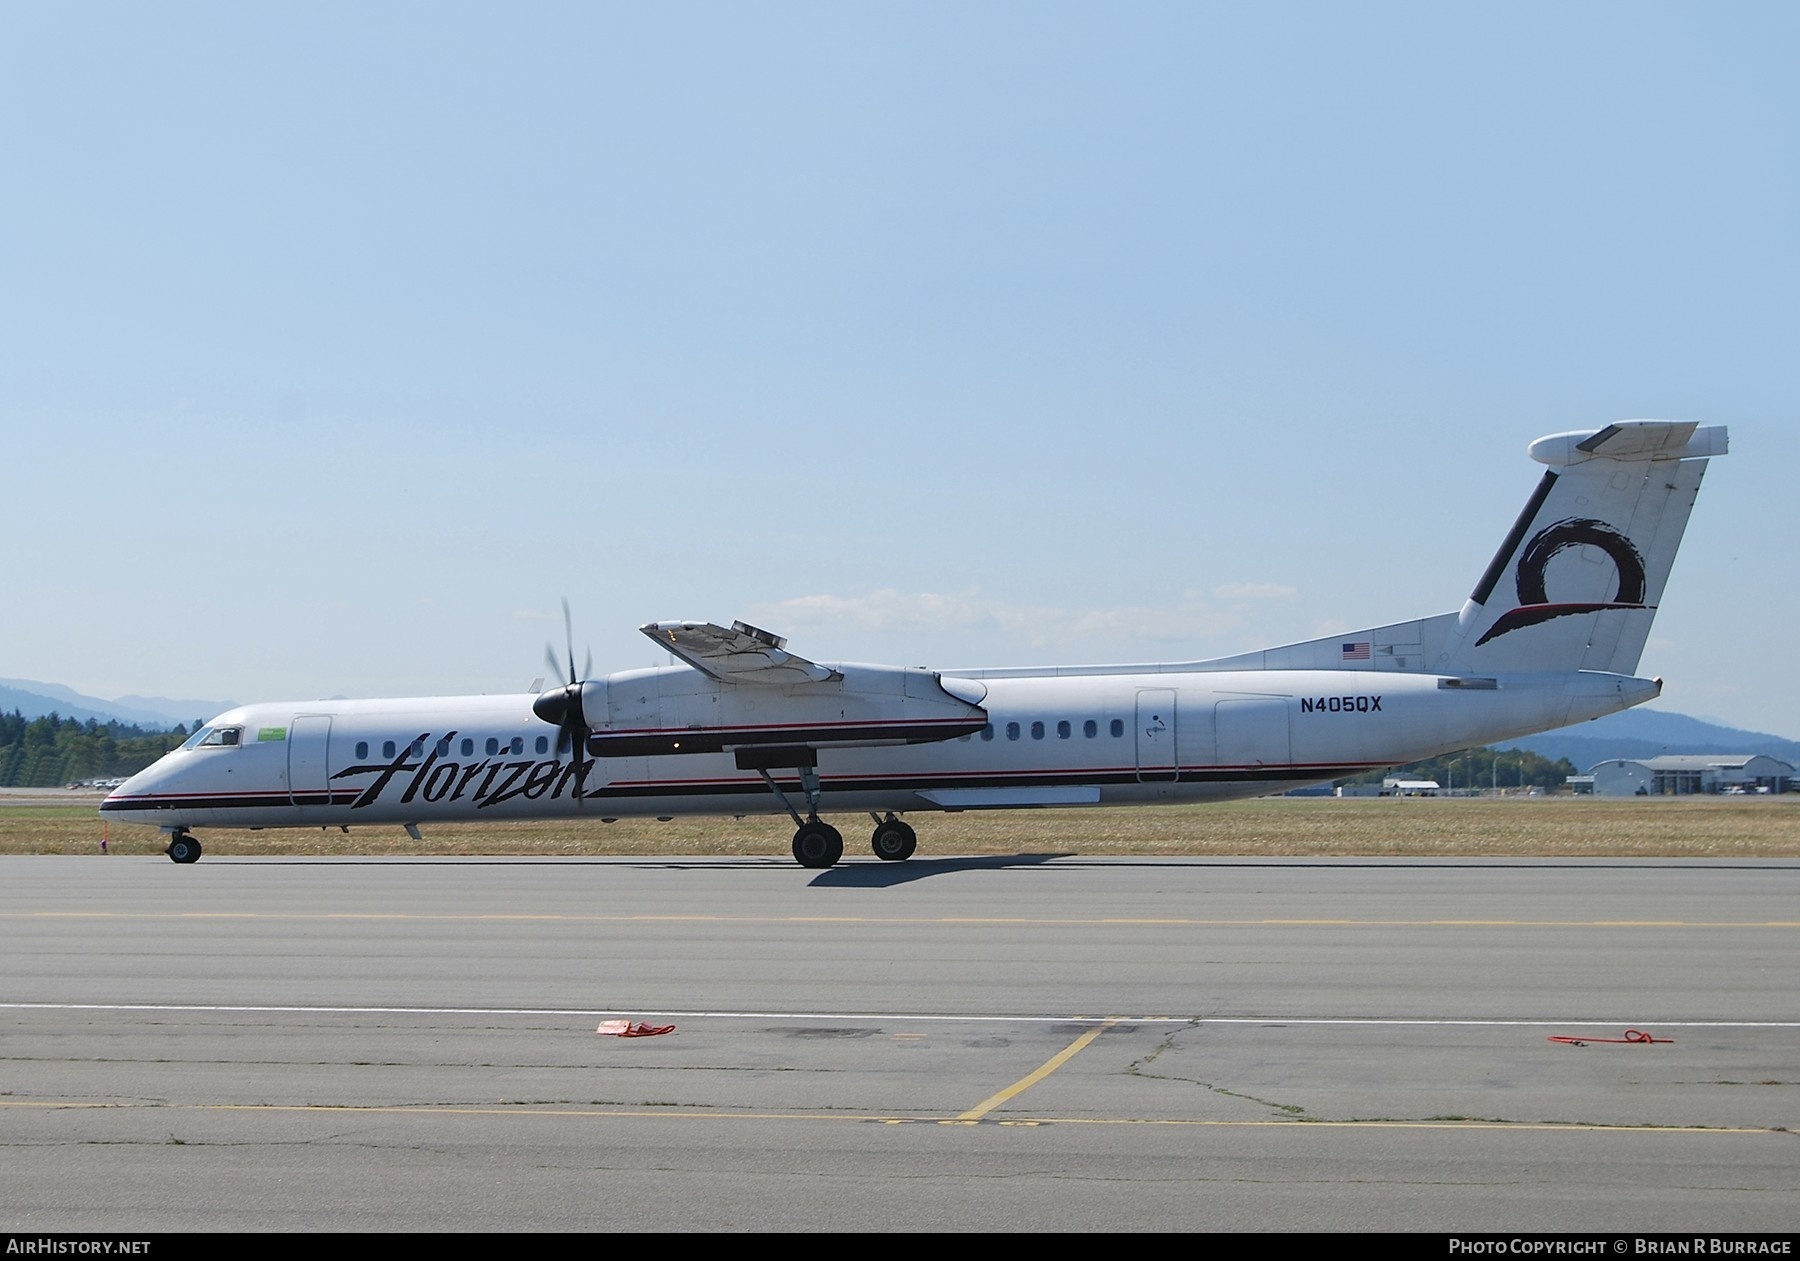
[(675, 709)]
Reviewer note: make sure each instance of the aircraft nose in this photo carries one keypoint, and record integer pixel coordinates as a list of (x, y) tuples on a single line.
[(134, 793), (120, 796)]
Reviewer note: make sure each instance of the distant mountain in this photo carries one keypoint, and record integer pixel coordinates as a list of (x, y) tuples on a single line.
[(34, 699), (1642, 733)]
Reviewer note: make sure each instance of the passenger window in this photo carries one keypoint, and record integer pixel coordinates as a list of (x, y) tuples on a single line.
[(443, 747), (362, 748), (1063, 730), (1037, 731), (518, 745), (1090, 728), (543, 744), (387, 748), (417, 749), (1118, 726), (468, 746), (1012, 731), (987, 731), (493, 746)]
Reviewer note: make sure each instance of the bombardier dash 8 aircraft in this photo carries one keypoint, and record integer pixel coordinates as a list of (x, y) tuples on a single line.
[(1551, 635)]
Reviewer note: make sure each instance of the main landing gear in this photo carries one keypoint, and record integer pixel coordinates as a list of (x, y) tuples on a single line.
[(818, 844), (183, 848), (894, 841)]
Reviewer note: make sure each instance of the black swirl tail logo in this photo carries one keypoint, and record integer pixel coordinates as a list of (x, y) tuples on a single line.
[(1534, 598)]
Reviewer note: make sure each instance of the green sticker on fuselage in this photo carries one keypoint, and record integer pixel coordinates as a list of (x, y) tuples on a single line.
[(270, 733)]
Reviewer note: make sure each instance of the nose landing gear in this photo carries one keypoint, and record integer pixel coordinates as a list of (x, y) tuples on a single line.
[(183, 848)]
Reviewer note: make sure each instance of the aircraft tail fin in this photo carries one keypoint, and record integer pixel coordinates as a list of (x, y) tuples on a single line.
[(1577, 579), (1576, 582)]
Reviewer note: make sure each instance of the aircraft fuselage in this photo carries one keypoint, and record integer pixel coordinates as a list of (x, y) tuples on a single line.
[(1052, 740)]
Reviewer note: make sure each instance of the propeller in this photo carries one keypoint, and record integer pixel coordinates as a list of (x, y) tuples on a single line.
[(561, 706)]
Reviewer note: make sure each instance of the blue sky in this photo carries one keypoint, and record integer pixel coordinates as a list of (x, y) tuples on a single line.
[(339, 343)]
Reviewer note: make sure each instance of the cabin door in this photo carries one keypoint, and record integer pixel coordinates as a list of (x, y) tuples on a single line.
[(309, 771), (1156, 734)]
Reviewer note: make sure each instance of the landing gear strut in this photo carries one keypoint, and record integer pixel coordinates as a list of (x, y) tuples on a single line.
[(183, 848), (817, 843)]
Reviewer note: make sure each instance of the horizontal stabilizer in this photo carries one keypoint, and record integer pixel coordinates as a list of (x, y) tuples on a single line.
[(1632, 440)]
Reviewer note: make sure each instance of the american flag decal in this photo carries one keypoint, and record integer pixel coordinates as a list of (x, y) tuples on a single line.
[(1358, 651)]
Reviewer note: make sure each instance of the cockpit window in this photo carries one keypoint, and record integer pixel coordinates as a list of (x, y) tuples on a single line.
[(214, 737)]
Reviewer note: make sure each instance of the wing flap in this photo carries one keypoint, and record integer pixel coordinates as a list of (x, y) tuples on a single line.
[(743, 654)]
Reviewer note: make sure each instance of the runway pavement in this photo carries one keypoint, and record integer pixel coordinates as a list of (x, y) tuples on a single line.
[(1032, 1043)]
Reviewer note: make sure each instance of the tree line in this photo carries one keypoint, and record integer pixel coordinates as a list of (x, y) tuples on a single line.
[(51, 751), (1483, 768)]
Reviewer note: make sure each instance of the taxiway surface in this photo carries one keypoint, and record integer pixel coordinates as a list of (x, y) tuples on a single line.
[(1030, 1043)]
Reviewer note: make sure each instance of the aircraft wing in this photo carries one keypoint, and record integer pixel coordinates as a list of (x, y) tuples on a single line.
[(743, 654)]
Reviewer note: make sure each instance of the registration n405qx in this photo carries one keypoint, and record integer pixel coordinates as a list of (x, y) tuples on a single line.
[(1551, 635)]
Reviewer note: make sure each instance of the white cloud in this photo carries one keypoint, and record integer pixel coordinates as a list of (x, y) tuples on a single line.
[(904, 626), (886, 610), (1255, 591)]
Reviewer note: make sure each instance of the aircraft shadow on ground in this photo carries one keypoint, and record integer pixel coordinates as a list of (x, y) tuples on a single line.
[(887, 875), (874, 875), (862, 875)]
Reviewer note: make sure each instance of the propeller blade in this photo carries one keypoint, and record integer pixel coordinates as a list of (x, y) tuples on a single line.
[(563, 706), (570, 735), (575, 732), (569, 637)]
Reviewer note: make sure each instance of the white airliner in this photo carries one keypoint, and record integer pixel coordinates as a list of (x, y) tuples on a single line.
[(1550, 636)]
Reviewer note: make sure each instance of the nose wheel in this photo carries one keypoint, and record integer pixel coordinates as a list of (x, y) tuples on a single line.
[(183, 848)]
